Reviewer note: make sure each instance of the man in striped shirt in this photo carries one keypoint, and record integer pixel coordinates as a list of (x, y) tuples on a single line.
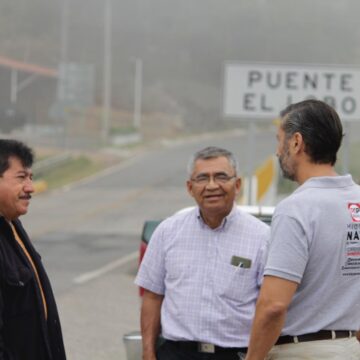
[(203, 268)]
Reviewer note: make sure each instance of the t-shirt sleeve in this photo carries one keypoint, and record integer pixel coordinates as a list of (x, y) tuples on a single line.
[(288, 249), (151, 273)]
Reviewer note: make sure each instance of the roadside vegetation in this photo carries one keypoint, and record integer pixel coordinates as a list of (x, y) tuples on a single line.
[(77, 167), (73, 169)]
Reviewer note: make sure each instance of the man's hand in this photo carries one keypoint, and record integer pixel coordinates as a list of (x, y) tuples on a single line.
[(149, 356)]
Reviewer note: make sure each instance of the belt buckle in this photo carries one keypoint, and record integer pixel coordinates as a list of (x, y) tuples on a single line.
[(206, 348)]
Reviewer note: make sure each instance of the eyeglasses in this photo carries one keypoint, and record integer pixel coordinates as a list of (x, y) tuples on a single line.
[(217, 178)]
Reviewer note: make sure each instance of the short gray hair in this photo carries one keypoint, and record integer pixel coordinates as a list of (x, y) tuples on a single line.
[(212, 152)]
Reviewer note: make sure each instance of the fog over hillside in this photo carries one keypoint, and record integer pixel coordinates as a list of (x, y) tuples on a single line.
[(183, 44)]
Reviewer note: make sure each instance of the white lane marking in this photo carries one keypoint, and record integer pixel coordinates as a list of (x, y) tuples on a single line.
[(84, 278)]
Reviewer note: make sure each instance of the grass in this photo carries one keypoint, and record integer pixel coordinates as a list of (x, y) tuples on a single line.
[(77, 168), (72, 170), (125, 130)]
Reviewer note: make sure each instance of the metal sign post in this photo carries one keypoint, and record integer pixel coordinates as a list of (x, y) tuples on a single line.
[(250, 163)]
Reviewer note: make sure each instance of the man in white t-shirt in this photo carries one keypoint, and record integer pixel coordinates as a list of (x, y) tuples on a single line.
[(309, 303)]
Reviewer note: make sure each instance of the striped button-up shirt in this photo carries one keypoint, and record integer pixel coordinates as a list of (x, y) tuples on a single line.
[(206, 297)]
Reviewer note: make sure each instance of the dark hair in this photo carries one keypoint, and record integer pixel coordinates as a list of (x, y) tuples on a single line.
[(320, 126), (13, 148), (212, 152)]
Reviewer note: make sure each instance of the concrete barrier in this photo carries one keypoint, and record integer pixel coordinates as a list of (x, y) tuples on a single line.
[(133, 346)]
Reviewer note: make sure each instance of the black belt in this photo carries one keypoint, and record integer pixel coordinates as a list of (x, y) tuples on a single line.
[(203, 347), (320, 335)]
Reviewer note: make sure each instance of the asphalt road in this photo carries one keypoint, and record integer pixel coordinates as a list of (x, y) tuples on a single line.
[(88, 235)]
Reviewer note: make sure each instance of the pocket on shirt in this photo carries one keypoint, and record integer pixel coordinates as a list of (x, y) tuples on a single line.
[(15, 291), (235, 283), (17, 277)]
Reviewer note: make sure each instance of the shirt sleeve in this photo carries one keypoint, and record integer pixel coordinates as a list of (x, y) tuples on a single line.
[(288, 249), (263, 253), (151, 274)]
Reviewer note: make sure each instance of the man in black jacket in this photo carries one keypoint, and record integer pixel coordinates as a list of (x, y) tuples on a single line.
[(29, 322)]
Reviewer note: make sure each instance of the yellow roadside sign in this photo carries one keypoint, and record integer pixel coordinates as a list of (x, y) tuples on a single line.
[(265, 175)]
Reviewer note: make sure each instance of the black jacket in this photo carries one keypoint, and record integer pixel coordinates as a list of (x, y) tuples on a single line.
[(25, 334)]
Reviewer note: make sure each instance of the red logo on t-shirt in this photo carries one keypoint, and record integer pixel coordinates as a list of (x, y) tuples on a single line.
[(354, 209)]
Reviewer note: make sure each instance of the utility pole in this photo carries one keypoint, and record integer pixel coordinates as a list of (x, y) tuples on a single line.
[(137, 93), (106, 114), (64, 32)]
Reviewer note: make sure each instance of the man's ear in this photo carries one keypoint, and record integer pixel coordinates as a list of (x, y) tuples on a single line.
[(297, 142), (189, 187), (238, 182)]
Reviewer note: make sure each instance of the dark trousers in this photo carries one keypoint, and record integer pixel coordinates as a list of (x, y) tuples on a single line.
[(170, 351)]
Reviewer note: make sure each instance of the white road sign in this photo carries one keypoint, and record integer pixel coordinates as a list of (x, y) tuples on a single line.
[(262, 90), (76, 85)]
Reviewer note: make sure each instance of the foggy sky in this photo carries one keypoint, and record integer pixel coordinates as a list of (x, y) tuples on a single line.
[(183, 44)]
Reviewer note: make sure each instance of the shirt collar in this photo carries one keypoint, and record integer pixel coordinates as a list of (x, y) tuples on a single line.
[(224, 221), (326, 182)]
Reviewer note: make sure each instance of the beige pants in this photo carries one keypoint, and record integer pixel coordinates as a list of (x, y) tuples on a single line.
[(338, 349)]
